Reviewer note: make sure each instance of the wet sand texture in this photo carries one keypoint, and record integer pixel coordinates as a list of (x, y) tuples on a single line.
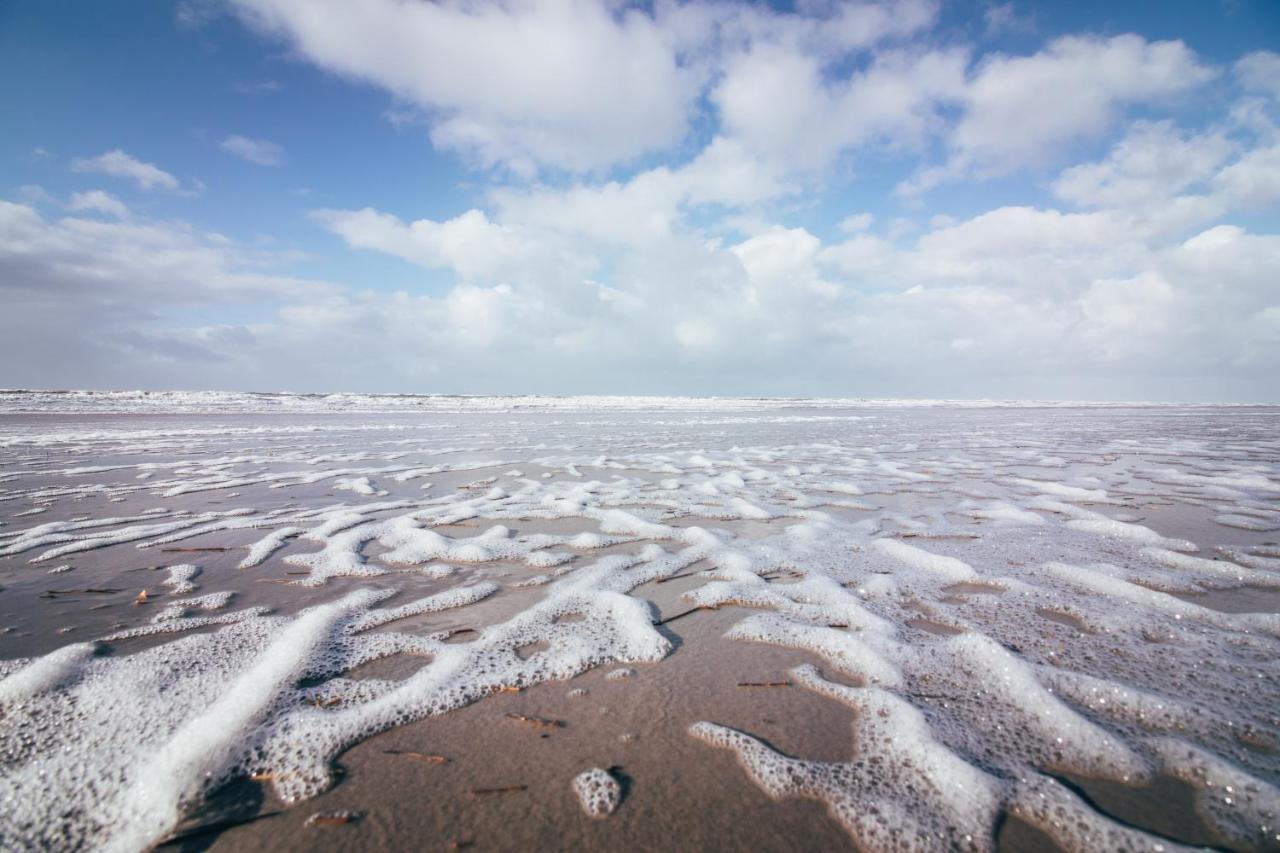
[(707, 629)]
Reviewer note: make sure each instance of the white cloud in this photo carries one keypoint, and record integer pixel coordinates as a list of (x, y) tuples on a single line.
[(638, 211), (578, 86), (1253, 181), (782, 260), (570, 85), (1021, 111), (259, 87), (260, 152), (749, 264), (1173, 176), (856, 223), (1152, 164), (97, 200), (652, 205), (779, 102), (475, 248), (1260, 72), (139, 262), (1017, 300), (1000, 18), (35, 194), (121, 165), (1121, 316)]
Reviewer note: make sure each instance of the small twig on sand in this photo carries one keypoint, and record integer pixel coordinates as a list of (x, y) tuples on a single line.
[(332, 818), (507, 789), (681, 615), (536, 721), (421, 756), (764, 683), (54, 593)]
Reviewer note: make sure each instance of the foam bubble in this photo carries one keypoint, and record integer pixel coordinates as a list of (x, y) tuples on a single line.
[(598, 792), (946, 568)]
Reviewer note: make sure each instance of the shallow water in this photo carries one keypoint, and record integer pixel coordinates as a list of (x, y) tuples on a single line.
[(922, 628)]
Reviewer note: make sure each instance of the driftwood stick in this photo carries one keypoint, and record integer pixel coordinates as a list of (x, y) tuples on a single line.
[(681, 615), (536, 721), (506, 789), (421, 756)]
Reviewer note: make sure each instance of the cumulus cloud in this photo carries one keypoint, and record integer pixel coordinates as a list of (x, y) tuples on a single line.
[(1015, 300), (651, 205), (260, 152), (99, 201), (1253, 181), (1170, 174), (570, 85), (1030, 300), (471, 245), (576, 86), (1152, 164), (501, 83), (1260, 72), (145, 262), (688, 217), (119, 164), (780, 102), (1086, 79), (1024, 110)]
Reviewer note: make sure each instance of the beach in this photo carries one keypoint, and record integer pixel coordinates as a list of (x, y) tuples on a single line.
[(367, 622)]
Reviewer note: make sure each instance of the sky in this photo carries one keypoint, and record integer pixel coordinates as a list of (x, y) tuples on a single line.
[(1075, 200)]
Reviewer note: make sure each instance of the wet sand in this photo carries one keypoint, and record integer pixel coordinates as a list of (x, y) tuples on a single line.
[(677, 793)]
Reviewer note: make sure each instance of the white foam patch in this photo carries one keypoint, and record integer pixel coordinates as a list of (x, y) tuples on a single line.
[(141, 738), (905, 792), (1247, 522), (1113, 701), (598, 792), (359, 485), (182, 607), (945, 568), (1073, 824), (266, 546), (1004, 512), (842, 649), (1101, 579), (1025, 718), (1135, 532), (1238, 805), (1062, 490), (1212, 572), (181, 578), (44, 674)]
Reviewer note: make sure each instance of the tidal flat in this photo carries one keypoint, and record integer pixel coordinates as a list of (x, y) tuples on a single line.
[(281, 622)]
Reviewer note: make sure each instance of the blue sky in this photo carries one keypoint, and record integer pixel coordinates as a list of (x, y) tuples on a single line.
[(911, 199)]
